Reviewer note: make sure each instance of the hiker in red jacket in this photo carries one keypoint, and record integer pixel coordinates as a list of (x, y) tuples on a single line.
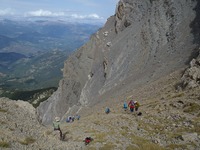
[(131, 105)]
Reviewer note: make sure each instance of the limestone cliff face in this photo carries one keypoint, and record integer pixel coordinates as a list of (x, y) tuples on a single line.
[(143, 41)]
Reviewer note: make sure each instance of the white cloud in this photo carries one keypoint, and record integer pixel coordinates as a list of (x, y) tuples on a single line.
[(47, 13), (7, 11), (95, 16), (90, 16), (44, 13)]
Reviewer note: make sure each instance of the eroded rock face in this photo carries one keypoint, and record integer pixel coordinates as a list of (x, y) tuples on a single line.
[(143, 41), (123, 16), (191, 76)]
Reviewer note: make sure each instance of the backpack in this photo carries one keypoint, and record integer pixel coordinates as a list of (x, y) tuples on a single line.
[(131, 104), (107, 110), (137, 104), (139, 114), (87, 140)]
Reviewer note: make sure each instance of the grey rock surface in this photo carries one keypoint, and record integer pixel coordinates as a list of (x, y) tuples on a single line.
[(143, 41)]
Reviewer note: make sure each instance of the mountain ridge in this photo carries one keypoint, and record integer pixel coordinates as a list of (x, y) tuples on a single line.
[(142, 42)]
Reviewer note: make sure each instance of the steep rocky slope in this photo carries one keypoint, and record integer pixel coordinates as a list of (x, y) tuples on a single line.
[(142, 42), (20, 129), (170, 120)]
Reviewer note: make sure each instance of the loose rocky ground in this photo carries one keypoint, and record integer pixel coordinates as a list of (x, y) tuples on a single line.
[(170, 120)]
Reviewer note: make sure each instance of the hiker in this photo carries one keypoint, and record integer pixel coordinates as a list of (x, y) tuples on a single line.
[(88, 140), (56, 125), (107, 110), (131, 105), (72, 118), (125, 106), (69, 119), (137, 105), (77, 117)]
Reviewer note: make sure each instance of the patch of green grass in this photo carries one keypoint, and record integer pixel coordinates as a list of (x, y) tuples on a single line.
[(4, 144), (151, 128), (97, 122), (100, 137), (174, 135), (179, 132), (144, 126), (91, 148), (90, 131), (27, 141), (150, 146), (195, 123), (3, 110), (2, 122), (152, 106), (125, 128), (16, 106), (107, 146), (11, 129), (196, 128), (132, 147), (124, 131), (192, 108), (144, 144), (176, 95), (48, 132), (176, 146)]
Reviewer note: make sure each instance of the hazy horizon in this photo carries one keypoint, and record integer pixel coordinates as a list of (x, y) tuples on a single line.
[(77, 10)]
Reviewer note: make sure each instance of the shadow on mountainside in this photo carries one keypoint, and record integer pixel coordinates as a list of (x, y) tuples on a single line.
[(195, 24), (195, 30)]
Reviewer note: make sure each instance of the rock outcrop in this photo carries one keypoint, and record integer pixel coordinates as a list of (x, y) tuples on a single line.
[(191, 76), (19, 124), (143, 41)]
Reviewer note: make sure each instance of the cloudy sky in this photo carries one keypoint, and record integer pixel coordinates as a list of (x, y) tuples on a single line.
[(77, 9)]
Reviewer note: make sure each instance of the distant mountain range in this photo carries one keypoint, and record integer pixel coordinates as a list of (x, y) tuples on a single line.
[(43, 35), (32, 52)]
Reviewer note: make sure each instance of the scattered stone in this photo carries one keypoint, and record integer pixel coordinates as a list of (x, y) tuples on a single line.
[(105, 33), (109, 44), (156, 141), (190, 137)]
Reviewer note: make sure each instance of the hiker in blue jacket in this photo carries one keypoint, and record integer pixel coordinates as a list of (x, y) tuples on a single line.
[(107, 110), (125, 106)]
